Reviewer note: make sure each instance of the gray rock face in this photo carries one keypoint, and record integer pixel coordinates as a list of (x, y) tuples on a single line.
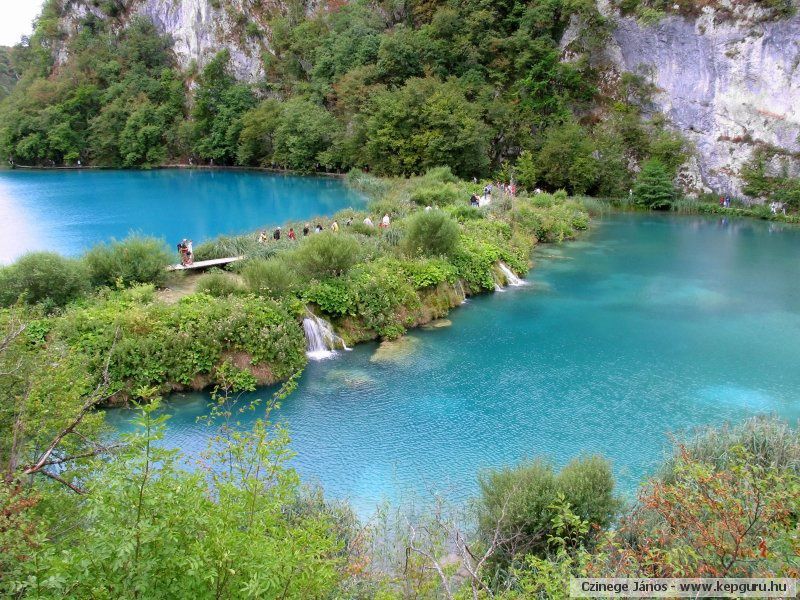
[(728, 85), (199, 31)]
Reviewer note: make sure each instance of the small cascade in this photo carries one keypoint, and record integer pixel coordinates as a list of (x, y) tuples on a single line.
[(322, 341), (458, 288), (511, 278)]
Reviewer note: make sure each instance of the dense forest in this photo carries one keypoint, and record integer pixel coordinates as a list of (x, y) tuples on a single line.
[(393, 87)]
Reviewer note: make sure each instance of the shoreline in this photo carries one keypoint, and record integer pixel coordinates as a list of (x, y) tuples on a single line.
[(177, 166)]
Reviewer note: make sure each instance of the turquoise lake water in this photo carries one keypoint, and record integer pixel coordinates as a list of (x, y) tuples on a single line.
[(70, 211), (648, 325)]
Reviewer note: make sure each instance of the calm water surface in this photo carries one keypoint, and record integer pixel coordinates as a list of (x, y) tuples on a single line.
[(647, 326), (70, 211)]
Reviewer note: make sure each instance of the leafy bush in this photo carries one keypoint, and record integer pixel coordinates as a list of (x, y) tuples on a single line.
[(219, 284), (273, 277), (654, 188), (432, 233), (437, 194), (43, 277), (429, 272), (383, 297), (326, 254), (769, 441), (521, 501), (157, 344), (130, 261), (334, 297), (462, 213)]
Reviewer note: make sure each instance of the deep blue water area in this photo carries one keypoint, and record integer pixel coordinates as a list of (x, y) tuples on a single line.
[(70, 211)]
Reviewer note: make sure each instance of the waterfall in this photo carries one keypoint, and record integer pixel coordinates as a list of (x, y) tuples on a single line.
[(322, 341), (511, 278), (458, 288)]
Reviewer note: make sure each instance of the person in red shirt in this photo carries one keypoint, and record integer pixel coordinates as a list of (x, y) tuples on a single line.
[(292, 236)]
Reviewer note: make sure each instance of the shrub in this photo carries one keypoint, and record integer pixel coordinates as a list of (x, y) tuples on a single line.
[(429, 272), (333, 297), (219, 284), (440, 175), (326, 254), (152, 343), (272, 277), (463, 213), (43, 277), (768, 440), (383, 297), (521, 501), (133, 260), (438, 194), (432, 233), (654, 188)]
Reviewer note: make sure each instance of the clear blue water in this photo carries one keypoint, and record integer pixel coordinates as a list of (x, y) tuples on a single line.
[(70, 211), (648, 325)]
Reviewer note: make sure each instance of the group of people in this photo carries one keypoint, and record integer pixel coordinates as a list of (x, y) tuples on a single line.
[(186, 252), (725, 201), (334, 227)]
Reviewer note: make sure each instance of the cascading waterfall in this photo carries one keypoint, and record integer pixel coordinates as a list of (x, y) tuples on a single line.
[(322, 341), (511, 278), (458, 288)]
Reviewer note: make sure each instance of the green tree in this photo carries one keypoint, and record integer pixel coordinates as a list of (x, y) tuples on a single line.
[(654, 188), (425, 124), (567, 159), (305, 131), (432, 233)]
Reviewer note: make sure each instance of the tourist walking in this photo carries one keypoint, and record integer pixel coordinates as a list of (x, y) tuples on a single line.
[(262, 237), (292, 235), (335, 227), (385, 221), (277, 234), (318, 228), (306, 229), (368, 222)]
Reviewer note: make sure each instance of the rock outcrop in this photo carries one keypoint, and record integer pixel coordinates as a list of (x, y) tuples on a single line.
[(729, 82)]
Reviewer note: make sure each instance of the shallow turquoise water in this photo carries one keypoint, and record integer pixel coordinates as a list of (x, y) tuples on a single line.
[(646, 326), (69, 211)]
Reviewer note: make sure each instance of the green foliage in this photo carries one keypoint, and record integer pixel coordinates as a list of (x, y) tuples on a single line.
[(219, 106), (326, 254), (549, 219), (429, 272), (43, 277), (383, 297), (654, 188), (118, 102), (136, 535), (334, 297), (151, 343), (424, 124), (304, 133), (219, 284), (432, 233), (438, 194), (271, 277), (567, 160), (523, 500), (130, 261)]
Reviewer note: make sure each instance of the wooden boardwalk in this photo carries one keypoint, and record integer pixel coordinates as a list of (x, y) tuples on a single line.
[(204, 264)]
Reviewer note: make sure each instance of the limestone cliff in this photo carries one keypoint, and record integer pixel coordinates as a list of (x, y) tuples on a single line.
[(728, 79)]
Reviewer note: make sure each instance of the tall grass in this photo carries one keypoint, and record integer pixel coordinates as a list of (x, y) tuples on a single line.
[(771, 442)]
